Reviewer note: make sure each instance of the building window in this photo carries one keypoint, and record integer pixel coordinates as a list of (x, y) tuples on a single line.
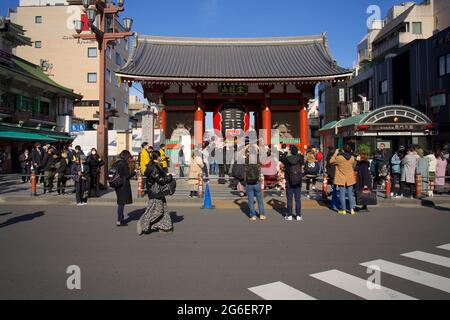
[(113, 104), (108, 106), (417, 27), (38, 19), (444, 65), (92, 77), (108, 75), (383, 87), (118, 59), (92, 52), (108, 52), (448, 63), (125, 107), (438, 100), (341, 95), (38, 44)]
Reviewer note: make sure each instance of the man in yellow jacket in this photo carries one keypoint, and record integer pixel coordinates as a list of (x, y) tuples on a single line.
[(164, 160), (144, 158)]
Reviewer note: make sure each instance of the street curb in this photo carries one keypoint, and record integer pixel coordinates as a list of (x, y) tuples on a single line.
[(221, 203)]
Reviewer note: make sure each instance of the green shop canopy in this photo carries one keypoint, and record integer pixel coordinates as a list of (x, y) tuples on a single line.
[(58, 137), (24, 136)]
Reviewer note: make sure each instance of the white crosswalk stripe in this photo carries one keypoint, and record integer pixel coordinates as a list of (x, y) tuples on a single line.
[(414, 275), (445, 247), (428, 257), (358, 286), (362, 287), (279, 291)]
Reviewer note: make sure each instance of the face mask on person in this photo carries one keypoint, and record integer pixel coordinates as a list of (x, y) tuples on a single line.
[(94, 153)]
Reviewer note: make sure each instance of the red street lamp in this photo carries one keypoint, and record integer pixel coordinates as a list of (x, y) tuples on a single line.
[(102, 11)]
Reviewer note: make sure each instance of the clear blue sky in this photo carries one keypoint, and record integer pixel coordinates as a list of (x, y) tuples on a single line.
[(344, 21)]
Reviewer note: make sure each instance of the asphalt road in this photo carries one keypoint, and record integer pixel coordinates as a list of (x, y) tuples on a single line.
[(216, 254)]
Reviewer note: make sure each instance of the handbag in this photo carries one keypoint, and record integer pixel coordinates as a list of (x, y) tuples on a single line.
[(366, 198), (158, 191)]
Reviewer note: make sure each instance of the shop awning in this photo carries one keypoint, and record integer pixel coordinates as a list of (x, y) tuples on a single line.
[(25, 136), (389, 120), (59, 137)]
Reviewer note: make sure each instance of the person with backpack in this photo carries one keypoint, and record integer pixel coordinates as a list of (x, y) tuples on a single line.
[(396, 170), (379, 166), (252, 174), (344, 177), (311, 171), (80, 172), (156, 216), (63, 170), (293, 165), (49, 170), (119, 179)]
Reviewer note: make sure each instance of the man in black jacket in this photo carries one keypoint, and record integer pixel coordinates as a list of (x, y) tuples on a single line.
[(293, 173), (49, 166), (36, 159)]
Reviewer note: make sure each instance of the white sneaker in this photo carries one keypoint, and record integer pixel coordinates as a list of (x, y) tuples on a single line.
[(299, 218), (139, 228), (288, 218)]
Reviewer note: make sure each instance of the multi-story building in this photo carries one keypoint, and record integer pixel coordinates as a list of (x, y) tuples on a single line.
[(410, 66), (33, 107), (332, 102), (75, 63)]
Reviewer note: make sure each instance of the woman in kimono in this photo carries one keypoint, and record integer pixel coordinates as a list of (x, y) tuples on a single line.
[(156, 216), (409, 169)]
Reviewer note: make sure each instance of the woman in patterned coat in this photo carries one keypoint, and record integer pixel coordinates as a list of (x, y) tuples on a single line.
[(156, 216)]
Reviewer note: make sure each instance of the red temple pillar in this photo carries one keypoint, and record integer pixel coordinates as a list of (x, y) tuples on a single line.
[(266, 117), (305, 90), (267, 124), (199, 126), (304, 129)]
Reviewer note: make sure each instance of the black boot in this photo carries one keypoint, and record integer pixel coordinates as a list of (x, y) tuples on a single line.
[(191, 194)]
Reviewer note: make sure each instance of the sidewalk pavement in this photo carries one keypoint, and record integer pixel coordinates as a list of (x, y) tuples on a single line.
[(15, 192)]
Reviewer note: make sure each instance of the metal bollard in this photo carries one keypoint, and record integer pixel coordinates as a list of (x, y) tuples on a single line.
[(388, 186), (140, 187), (325, 187), (418, 186), (33, 184)]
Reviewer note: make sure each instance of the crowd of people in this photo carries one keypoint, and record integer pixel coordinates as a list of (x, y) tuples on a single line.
[(53, 165), (351, 175)]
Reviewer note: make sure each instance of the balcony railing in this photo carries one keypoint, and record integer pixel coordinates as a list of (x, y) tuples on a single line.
[(357, 108), (384, 47)]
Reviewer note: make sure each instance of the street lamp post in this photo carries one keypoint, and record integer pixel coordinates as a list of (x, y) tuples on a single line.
[(102, 11)]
